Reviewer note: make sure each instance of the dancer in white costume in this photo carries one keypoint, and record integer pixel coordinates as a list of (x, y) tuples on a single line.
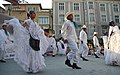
[(83, 48), (96, 44), (30, 60), (5, 40), (113, 54), (69, 34)]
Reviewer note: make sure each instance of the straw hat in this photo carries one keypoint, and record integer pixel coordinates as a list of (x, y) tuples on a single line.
[(84, 26), (67, 14)]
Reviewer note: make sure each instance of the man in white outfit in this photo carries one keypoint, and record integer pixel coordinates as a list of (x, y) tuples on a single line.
[(83, 48), (4, 39), (69, 34), (96, 44)]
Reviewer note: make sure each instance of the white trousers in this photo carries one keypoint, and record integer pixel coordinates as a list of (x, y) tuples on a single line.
[(97, 50), (83, 49), (73, 54)]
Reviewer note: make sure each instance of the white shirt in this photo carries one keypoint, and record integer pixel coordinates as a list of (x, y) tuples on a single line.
[(68, 31), (83, 36), (95, 41)]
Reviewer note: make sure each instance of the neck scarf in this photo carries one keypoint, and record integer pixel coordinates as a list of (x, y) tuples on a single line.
[(5, 32), (75, 24)]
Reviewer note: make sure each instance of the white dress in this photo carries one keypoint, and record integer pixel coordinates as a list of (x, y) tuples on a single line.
[(113, 54), (25, 56), (61, 50), (2, 46)]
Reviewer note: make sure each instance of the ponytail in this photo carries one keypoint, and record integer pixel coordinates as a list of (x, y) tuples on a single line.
[(28, 15)]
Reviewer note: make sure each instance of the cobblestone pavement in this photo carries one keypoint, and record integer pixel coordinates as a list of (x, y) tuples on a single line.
[(55, 66)]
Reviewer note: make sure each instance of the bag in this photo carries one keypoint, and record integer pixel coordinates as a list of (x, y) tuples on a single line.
[(34, 43)]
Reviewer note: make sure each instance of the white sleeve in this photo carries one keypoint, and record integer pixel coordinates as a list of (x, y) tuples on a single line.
[(110, 31), (94, 41), (64, 30), (81, 36)]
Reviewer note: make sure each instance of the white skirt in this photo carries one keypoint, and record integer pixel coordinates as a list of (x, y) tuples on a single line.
[(113, 53)]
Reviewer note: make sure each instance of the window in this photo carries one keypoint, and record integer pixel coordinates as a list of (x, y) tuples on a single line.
[(90, 4), (43, 20), (92, 18), (115, 7), (104, 28), (103, 18), (117, 19), (61, 6), (29, 8), (76, 6), (77, 18), (61, 19), (92, 30), (33, 8), (102, 7)]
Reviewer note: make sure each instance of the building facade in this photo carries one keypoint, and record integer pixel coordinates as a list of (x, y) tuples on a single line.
[(43, 16), (95, 14)]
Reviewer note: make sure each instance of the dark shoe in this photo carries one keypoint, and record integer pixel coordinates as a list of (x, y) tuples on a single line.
[(96, 56), (102, 53), (67, 62), (29, 72), (3, 61), (114, 63), (75, 66), (53, 55), (84, 59)]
